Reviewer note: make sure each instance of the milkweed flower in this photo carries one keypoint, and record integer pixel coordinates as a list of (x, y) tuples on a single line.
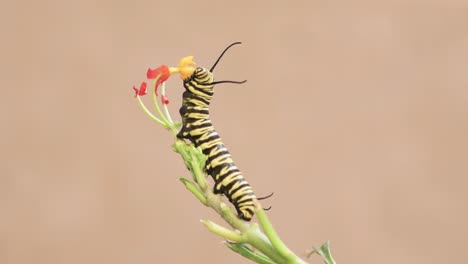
[(157, 77)]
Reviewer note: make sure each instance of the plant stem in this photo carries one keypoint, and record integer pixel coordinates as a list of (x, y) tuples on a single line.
[(142, 105), (274, 238), (156, 104)]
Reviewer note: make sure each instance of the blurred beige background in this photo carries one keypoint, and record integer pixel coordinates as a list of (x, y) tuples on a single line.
[(355, 114)]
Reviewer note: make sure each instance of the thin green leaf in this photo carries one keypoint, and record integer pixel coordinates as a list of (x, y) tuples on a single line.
[(222, 231), (325, 252), (194, 190), (245, 251)]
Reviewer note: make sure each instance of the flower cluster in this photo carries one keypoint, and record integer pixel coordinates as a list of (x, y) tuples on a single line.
[(159, 76)]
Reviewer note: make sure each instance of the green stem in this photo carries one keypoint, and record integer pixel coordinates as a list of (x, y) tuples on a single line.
[(194, 190), (222, 231), (142, 105), (199, 176), (156, 104), (259, 241), (274, 238), (166, 110)]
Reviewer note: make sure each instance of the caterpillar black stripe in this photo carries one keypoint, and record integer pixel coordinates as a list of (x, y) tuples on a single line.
[(197, 127)]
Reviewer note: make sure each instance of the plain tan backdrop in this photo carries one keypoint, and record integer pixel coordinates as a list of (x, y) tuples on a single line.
[(355, 114)]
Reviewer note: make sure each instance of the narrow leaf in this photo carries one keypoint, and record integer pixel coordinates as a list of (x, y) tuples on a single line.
[(245, 251), (325, 253), (194, 190)]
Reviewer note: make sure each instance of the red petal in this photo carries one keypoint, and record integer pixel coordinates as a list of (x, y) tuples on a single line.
[(157, 85), (163, 69), (142, 90), (164, 99), (153, 74), (136, 91)]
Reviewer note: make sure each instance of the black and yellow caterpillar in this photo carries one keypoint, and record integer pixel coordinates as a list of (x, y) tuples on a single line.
[(197, 127)]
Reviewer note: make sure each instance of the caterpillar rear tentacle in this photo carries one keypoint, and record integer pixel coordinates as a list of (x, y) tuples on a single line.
[(265, 197)]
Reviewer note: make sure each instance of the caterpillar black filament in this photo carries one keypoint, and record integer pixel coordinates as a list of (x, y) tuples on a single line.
[(197, 127)]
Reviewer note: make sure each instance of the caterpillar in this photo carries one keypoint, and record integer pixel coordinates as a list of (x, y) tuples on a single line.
[(197, 127)]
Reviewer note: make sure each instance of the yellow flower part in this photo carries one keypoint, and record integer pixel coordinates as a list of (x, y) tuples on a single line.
[(185, 68)]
